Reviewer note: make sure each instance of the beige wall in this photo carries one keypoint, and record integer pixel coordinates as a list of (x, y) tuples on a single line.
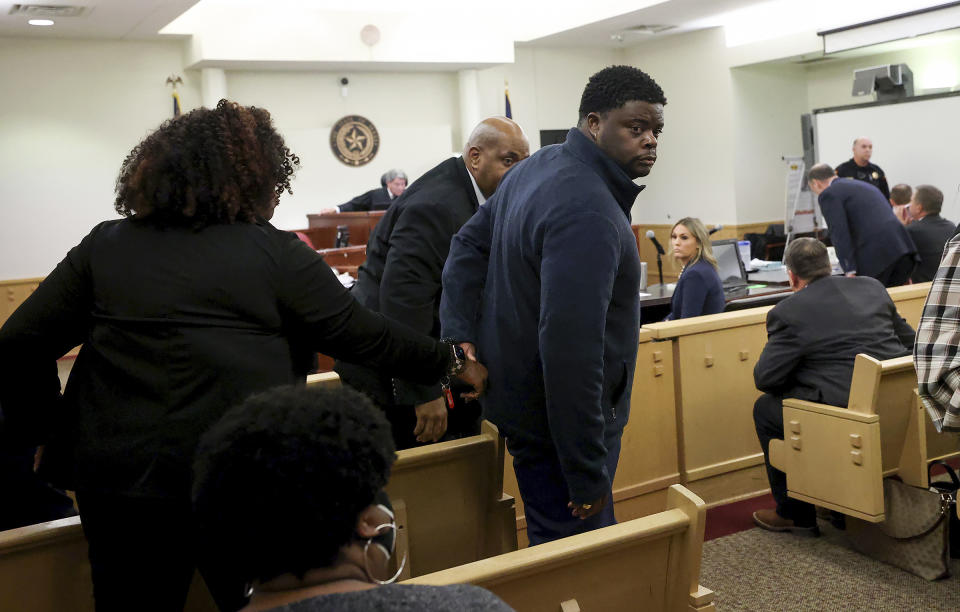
[(70, 112), (694, 172), (767, 104), (72, 109), (416, 115)]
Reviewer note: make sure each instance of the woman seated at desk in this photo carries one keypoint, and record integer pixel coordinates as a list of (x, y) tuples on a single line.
[(699, 290)]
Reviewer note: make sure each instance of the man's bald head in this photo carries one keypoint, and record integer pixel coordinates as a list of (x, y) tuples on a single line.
[(862, 151), (494, 146)]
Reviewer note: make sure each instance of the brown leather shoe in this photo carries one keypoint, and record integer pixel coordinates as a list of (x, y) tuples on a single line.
[(771, 521)]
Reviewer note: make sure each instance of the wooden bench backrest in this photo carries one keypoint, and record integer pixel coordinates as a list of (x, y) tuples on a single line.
[(455, 508), (837, 457), (44, 568), (649, 563)]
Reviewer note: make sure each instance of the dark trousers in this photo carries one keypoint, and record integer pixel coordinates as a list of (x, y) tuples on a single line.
[(462, 421), (768, 419), (27, 498), (545, 493), (897, 273), (143, 553)]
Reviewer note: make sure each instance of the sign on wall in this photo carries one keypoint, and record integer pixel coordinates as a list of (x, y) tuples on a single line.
[(354, 140)]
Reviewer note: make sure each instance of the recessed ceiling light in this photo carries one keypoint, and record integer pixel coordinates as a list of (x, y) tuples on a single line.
[(41, 22)]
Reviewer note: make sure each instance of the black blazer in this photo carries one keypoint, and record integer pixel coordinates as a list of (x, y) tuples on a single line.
[(929, 234), (405, 257), (814, 335), (375, 199), (867, 235), (177, 327)]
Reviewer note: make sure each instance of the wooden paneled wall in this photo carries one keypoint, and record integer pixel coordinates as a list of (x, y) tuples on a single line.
[(13, 293), (671, 271)]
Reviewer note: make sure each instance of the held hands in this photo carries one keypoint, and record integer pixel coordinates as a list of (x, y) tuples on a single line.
[(431, 420), (474, 374), (584, 511)]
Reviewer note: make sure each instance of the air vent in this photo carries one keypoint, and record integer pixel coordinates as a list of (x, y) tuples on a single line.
[(648, 29), (47, 11)]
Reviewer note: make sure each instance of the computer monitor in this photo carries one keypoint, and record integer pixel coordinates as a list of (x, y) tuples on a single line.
[(729, 265)]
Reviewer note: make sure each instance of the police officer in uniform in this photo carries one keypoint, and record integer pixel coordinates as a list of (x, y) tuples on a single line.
[(859, 167)]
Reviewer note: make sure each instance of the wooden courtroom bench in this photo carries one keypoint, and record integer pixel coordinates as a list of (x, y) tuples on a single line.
[(44, 568), (345, 259), (648, 451), (454, 508), (713, 358), (360, 225), (456, 511), (648, 563), (909, 300), (837, 457)]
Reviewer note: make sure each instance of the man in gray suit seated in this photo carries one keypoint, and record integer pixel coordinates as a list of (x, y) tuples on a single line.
[(929, 231), (813, 337)]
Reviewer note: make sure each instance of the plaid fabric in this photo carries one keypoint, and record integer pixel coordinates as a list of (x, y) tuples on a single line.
[(936, 353)]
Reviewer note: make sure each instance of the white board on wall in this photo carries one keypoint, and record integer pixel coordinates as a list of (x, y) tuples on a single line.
[(915, 142), (323, 181)]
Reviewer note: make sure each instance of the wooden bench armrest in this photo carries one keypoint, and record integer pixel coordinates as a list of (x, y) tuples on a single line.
[(702, 598), (840, 413), (776, 455)]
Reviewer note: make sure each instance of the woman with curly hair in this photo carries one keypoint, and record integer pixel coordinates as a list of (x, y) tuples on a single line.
[(289, 485), (186, 306)]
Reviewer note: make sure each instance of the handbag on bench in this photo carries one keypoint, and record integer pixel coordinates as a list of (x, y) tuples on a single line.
[(915, 534)]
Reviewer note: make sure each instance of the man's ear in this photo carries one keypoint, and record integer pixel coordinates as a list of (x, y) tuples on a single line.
[(593, 123), (793, 279), (473, 157)]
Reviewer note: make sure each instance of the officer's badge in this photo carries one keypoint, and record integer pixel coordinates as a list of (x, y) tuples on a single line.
[(354, 140), (875, 175)]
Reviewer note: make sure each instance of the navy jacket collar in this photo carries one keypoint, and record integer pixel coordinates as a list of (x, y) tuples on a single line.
[(624, 190)]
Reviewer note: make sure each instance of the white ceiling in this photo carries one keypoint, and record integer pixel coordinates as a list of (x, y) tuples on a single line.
[(606, 23), (103, 19)]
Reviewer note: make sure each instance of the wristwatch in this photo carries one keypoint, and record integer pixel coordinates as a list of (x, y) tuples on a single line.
[(458, 360)]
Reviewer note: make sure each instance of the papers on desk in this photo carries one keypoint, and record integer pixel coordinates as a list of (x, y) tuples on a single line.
[(761, 265), (346, 280)]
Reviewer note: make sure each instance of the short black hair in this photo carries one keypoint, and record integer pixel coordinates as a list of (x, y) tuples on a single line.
[(280, 480), (614, 86), (930, 198), (807, 258)]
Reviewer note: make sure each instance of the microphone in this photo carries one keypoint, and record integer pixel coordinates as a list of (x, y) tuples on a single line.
[(716, 229), (656, 242)]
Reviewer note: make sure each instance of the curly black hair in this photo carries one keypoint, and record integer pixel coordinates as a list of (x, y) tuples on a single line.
[(280, 480), (224, 165), (614, 86)]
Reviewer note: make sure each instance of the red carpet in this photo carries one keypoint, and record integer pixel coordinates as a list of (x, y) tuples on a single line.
[(738, 516)]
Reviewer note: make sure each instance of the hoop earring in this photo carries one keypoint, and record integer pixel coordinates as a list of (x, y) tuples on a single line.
[(366, 560)]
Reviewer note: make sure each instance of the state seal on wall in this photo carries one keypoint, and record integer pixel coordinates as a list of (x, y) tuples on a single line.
[(354, 140)]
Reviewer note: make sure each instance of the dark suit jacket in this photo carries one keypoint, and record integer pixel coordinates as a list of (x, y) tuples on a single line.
[(375, 199), (814, 335), (865, 232), (401, 277), (545, 280), (929, 234), (177, 327)]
